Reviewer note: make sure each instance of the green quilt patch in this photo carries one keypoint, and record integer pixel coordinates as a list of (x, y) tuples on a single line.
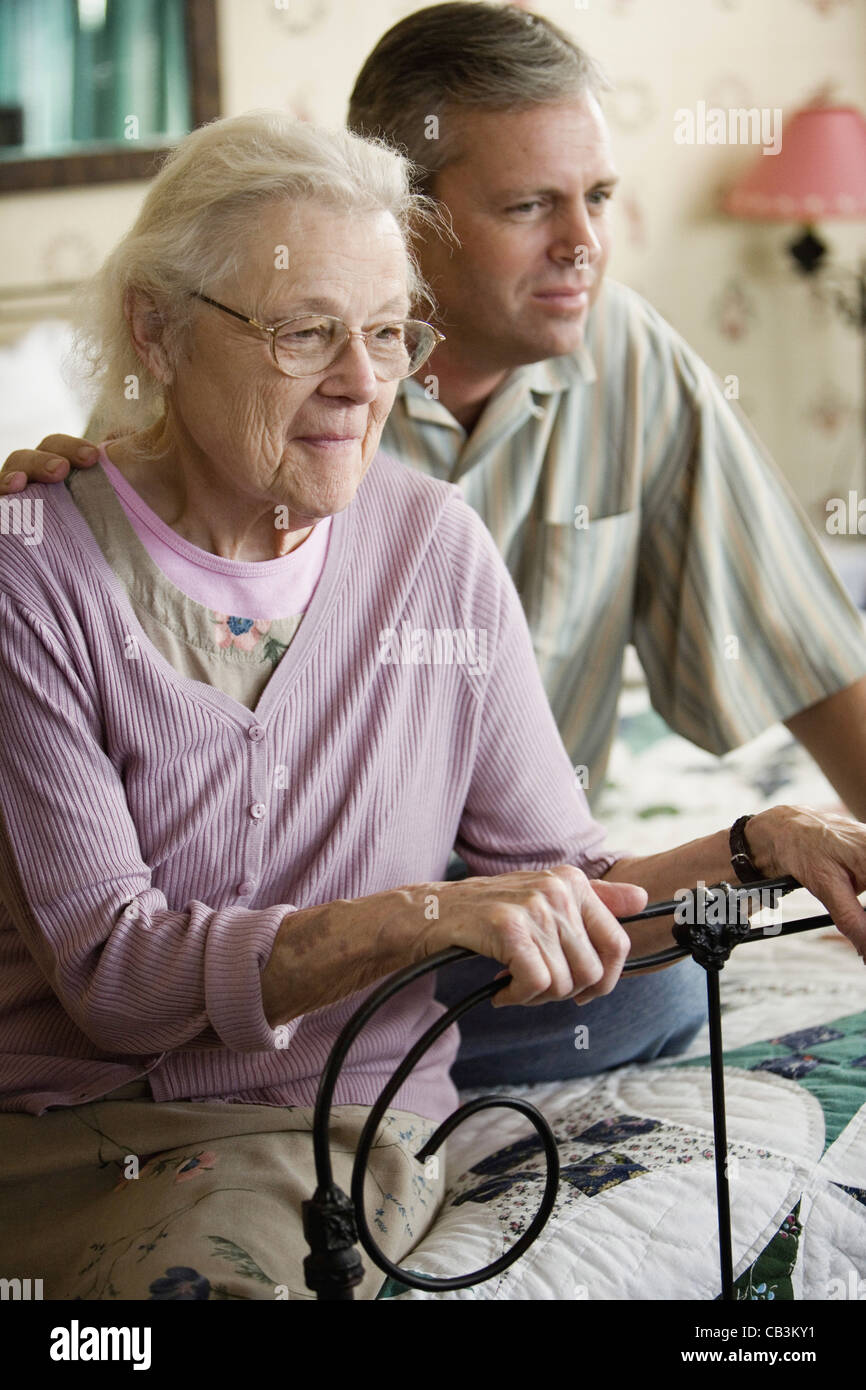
[(769, 1277), (829, 1061), (392, 1288)]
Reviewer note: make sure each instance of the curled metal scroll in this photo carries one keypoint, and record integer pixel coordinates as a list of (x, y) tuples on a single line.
[(329, 1269)]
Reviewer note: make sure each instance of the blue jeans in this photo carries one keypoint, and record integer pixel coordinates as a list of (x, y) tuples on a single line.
[(646, 1016)]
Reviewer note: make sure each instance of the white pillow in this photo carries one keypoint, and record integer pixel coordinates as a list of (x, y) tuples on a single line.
[(35, 400)]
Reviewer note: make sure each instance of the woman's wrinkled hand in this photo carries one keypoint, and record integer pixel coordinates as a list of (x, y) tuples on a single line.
[(554, 930), (48, 463), (823, 851)]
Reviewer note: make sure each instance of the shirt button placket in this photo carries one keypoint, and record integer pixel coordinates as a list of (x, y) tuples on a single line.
[(256, 811)]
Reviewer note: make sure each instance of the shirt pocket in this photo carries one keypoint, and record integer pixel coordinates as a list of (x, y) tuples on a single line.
[(578, 582)]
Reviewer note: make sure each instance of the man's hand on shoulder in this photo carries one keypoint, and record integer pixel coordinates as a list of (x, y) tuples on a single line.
[(48, 463)]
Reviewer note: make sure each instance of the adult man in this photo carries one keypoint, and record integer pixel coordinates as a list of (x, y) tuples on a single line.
[(617, 480), (630, 500)]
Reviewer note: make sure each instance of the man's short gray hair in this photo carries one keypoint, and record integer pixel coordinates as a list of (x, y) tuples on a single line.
[(463, 55), (191, 235)]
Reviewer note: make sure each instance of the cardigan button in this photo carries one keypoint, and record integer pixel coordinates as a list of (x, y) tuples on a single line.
[(255, 733), (245, 888), (258, 810)]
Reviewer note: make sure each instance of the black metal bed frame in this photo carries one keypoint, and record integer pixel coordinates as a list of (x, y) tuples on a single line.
[(334, 1222)]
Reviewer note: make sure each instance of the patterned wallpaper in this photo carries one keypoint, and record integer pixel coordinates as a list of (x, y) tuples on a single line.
[(727, 286)]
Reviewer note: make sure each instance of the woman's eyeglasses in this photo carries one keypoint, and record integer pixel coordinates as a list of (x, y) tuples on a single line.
[(310, 343)]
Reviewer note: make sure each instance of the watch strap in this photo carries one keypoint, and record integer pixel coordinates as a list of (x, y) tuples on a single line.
[(741, 859)]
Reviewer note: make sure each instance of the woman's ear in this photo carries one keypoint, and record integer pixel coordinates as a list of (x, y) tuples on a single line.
[(147, 330)]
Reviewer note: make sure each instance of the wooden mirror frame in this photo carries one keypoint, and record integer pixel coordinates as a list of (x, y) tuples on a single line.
[(117, 165)]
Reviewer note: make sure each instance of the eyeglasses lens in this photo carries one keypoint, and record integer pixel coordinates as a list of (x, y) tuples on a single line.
[(306, 346)]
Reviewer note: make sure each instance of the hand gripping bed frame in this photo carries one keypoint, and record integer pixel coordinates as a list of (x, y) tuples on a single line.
[(334, 1223)]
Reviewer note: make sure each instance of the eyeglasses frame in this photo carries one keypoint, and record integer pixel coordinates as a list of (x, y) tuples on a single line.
[(273, 329)]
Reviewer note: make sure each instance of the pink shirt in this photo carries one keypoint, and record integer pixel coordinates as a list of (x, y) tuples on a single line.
[(278, 588)]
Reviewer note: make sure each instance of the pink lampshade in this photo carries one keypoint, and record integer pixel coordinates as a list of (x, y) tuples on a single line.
[(820, 171)]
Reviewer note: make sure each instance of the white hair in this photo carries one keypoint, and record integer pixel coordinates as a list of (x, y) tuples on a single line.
[(192, 228)]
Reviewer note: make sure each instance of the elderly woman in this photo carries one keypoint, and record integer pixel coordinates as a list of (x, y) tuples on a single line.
[(238, 750)]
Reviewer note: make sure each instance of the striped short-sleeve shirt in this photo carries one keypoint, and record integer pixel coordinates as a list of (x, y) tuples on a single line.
[(633, 502)]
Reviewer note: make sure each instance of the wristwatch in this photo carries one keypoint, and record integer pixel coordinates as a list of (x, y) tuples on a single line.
[(741, 860)]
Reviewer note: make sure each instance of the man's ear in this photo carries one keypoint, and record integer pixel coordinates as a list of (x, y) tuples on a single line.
[(147, 330)]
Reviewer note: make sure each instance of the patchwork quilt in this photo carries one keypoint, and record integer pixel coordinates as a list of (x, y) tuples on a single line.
[(635, 1217)]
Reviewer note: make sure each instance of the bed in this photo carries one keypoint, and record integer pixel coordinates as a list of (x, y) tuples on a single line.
[(636, 1215)]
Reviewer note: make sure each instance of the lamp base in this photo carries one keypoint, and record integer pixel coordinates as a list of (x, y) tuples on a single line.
[(808, 251)]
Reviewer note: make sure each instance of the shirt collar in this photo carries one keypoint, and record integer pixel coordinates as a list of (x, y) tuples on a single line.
[(559, 373), (545, 378)]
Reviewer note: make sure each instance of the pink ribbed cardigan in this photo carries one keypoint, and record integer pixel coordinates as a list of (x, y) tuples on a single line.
[(155, 832)]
